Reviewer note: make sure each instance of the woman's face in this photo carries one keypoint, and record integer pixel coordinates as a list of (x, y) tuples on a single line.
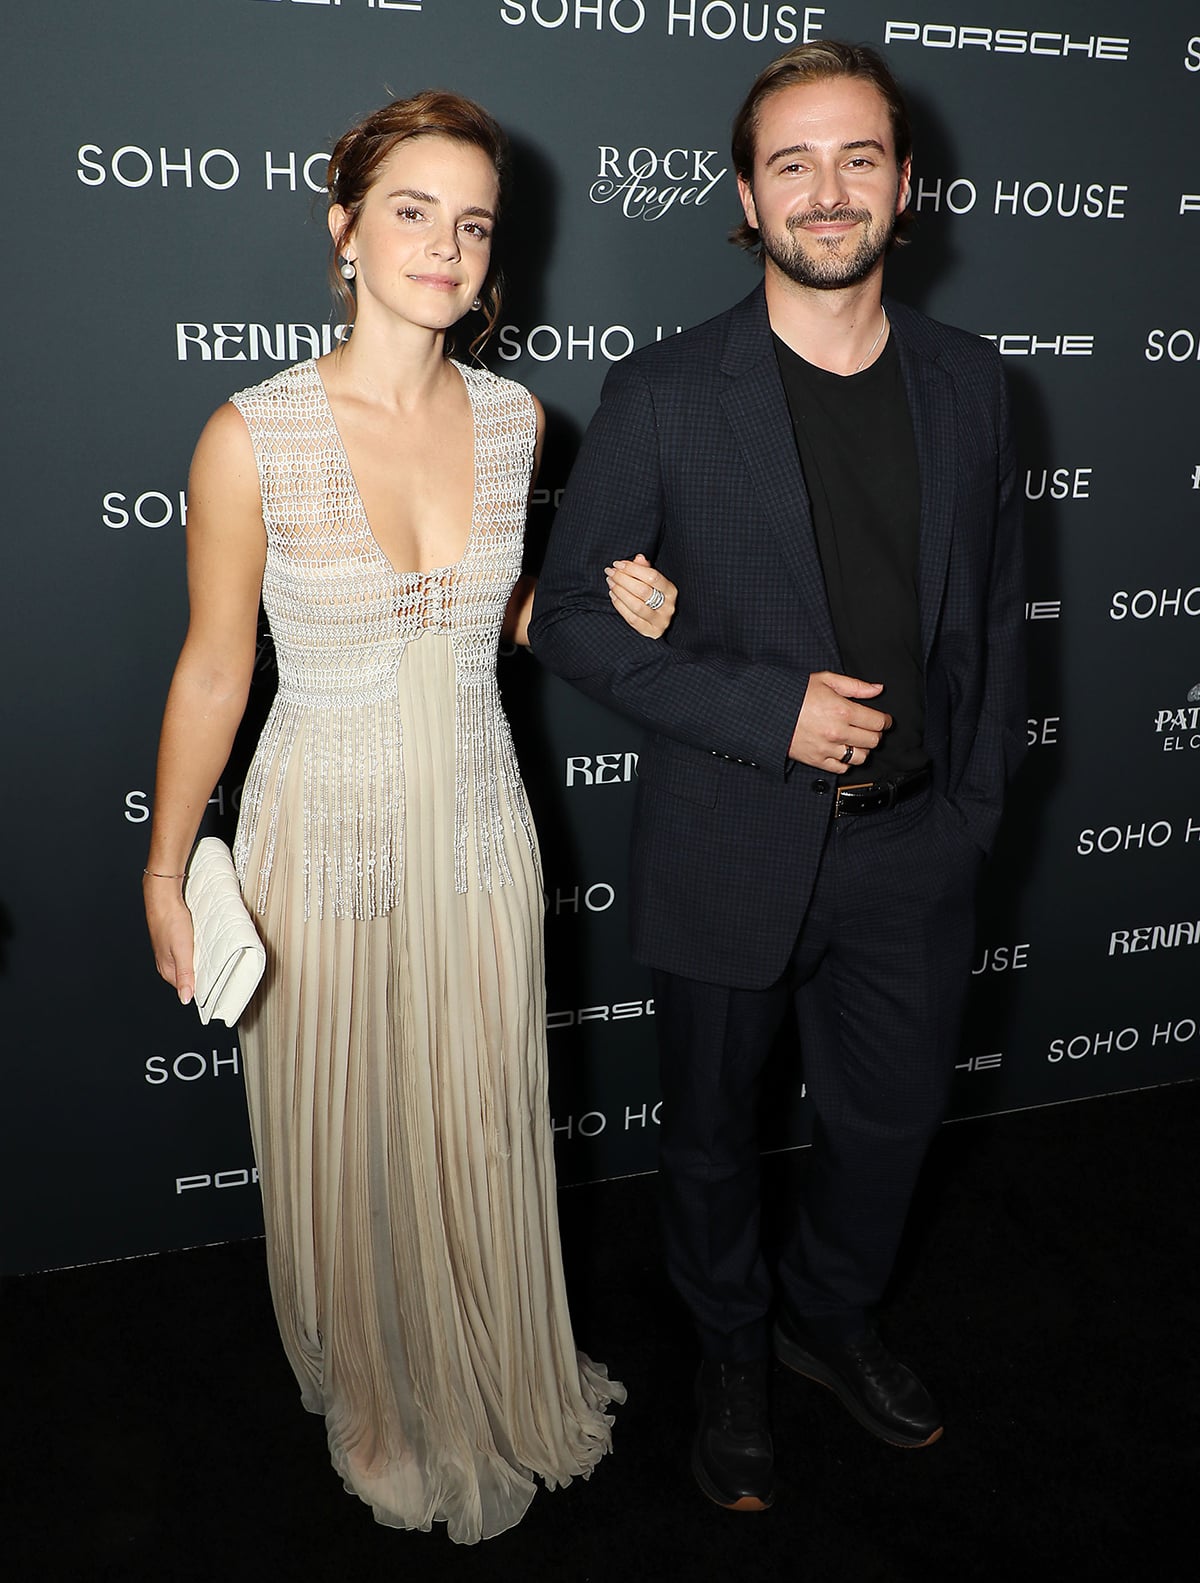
[(423, 240)]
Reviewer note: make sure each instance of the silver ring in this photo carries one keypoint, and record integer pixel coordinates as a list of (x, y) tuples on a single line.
[(848, 756), (657, 599)]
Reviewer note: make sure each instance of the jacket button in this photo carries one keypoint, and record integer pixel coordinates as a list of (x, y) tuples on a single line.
[(820, 786)]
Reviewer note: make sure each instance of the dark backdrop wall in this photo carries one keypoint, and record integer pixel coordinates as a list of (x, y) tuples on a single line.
[(164, 166)]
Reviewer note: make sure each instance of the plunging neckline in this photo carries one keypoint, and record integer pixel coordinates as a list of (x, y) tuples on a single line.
[(433, 571)]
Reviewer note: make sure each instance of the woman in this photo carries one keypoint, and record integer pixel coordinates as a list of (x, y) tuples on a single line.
[(395, 1054)]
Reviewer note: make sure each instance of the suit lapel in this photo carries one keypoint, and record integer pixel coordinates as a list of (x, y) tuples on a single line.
[(757, 410), (931, 404)]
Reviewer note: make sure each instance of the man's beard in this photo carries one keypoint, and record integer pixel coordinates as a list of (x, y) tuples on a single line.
[(828, 269)]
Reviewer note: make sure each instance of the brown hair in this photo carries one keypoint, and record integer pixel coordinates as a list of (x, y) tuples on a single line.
[(816, 62), (360, 152)]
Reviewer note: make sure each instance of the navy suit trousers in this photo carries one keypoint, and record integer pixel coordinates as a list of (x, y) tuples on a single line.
[(877, 981)]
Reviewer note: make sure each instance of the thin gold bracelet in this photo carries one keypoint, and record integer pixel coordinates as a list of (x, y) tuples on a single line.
[(154, 874)]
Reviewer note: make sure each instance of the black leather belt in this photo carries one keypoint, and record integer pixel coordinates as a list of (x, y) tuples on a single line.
[(873, 796)]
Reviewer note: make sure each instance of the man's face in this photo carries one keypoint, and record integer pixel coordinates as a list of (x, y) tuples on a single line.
[(826, 189)]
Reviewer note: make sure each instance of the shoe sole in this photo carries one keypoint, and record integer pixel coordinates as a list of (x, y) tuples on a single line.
[(803, 1363), (744, 1503)]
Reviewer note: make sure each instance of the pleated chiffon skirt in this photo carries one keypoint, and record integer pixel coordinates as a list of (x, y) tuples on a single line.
[(396, 1081)]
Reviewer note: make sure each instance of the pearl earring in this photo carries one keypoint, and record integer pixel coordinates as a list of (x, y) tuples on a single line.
[(348, 269), (476, 305)]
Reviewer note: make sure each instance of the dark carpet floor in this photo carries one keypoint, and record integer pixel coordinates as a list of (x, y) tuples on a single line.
[(1047, 1293)]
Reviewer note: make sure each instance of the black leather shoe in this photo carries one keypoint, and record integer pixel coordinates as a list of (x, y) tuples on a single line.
[(732, 1455), (873, 1386)]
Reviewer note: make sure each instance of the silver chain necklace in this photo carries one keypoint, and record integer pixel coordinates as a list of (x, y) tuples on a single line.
[(875, 342)]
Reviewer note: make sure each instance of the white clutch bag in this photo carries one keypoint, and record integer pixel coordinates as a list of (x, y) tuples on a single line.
[(228, 957)]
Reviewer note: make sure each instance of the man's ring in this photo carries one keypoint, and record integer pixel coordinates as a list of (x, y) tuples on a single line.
[(657, 599), (848, 756)]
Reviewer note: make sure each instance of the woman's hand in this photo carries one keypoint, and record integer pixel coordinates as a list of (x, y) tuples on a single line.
[(634, 588), (170, 926), (226, 553)]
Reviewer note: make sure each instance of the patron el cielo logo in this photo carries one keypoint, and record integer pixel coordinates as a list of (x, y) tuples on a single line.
[(1178, 728)]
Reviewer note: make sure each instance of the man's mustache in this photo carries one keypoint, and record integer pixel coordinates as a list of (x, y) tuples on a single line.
[(828, 217)]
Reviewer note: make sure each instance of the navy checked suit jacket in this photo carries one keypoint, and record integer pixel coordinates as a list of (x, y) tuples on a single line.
[(691, 459)]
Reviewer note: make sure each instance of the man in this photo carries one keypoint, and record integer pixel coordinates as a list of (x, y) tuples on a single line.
[(831, 722)]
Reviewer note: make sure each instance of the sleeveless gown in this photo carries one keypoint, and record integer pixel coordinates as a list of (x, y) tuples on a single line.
[(395, 1055)]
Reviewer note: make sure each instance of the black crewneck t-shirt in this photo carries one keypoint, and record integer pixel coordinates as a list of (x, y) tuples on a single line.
[(859, 459)]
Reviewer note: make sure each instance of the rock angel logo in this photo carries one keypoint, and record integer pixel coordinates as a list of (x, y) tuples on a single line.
[(646, 184)]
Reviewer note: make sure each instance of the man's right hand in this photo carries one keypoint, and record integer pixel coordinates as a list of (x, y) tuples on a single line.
[(831, 721)]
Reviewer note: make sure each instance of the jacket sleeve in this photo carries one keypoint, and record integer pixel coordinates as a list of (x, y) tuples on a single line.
[(615, 506), (999, 742)]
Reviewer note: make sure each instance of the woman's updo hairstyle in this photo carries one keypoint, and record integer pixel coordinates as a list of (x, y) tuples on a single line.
[(362, 150)]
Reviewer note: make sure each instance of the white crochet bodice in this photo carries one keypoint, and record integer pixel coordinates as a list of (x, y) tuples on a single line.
[(340, 617)]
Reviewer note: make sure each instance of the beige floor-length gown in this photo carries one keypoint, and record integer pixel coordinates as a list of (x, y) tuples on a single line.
[(395, 1054)]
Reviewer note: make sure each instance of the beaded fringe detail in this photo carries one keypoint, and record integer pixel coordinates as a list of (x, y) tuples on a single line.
[(487, 772), (341, 616)]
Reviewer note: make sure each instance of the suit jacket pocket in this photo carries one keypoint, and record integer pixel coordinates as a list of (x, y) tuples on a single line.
[(954, 823), (685, 773)]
